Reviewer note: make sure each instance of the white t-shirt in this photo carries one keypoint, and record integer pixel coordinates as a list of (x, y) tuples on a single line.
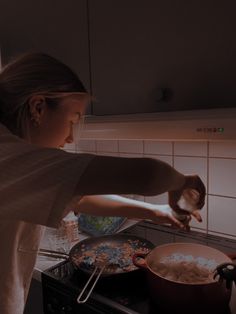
[(36, 186)]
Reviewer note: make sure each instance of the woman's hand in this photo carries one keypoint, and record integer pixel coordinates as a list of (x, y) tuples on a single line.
[(163, 214), (192, 182)]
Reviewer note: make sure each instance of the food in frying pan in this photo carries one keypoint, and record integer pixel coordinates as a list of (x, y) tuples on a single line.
[(116, 256), (185, 268)]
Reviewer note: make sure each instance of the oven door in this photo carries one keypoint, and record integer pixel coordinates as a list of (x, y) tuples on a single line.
[(58, 300)]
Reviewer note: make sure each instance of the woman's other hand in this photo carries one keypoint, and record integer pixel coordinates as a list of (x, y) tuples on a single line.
[(163, 214)]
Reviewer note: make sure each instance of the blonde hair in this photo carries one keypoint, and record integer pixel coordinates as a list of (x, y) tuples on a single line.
[(31, 74)]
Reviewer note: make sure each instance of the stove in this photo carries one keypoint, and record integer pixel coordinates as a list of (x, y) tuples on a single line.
[(126, 293)]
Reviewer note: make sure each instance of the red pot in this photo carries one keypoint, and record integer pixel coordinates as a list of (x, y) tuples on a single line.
[(176, 297)]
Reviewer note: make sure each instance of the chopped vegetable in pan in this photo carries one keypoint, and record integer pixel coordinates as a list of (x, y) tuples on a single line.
[(116, 256)]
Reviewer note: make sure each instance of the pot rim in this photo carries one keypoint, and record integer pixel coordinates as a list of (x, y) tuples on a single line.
[(228, 259)]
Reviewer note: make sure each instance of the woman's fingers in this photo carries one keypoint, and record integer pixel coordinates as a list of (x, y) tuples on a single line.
[(190, 197), (201, 189), (197, 215), (176, 223)]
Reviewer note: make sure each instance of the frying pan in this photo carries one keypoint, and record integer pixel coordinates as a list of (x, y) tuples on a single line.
[(114, 247), (83, 256)]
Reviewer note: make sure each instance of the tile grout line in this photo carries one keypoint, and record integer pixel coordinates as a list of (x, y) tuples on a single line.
[(96, 149), (223, 196), (173, 165), (172, 152), (207, 196)]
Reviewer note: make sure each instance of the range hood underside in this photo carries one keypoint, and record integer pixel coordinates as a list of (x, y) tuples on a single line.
[(214, 125)]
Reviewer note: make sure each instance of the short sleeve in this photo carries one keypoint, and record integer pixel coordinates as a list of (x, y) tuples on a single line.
[(37, 183)]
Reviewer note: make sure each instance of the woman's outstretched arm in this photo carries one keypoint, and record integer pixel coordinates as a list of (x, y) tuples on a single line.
[(114, 205), (119, 175)]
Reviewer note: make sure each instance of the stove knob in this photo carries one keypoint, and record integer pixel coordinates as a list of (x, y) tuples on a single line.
[(66, 309), (50, 308)]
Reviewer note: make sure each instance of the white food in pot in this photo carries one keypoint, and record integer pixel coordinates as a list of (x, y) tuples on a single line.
[(185, 269)]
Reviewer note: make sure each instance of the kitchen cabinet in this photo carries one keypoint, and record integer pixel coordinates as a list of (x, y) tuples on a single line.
[(135, 56), (58, 28), (34, 304), (153, 55)]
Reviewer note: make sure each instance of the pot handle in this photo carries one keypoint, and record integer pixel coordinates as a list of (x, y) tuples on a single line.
[(139, 260), (227, 271), (232, 256)]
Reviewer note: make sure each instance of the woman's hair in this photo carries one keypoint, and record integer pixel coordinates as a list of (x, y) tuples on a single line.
[(31, 74)]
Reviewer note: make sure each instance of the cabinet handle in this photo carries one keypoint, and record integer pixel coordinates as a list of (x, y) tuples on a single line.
[(163, 94), (160, 94)]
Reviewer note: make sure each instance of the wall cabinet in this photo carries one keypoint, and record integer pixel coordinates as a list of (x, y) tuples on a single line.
[(34, 304), (151, 56), (135, 56), (59, 28)]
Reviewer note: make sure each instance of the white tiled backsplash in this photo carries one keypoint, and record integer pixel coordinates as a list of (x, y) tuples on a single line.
[(214, 162)]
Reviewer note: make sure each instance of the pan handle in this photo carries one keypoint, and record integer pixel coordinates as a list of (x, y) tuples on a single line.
[(53, 254), (79, 299), (139, 260)]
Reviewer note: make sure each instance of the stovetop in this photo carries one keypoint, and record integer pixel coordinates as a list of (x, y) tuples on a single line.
[(126, 293)]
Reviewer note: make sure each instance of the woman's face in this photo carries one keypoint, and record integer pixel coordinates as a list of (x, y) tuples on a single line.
[(56, 125)]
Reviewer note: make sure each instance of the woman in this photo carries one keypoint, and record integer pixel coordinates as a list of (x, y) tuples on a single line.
[(41, 100)]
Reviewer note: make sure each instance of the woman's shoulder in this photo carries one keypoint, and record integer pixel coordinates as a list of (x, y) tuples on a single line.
[(13, 146)]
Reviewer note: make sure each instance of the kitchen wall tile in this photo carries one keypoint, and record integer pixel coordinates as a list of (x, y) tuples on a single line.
[(139, 231), (224, 249), (106, 154), (158, 237), (200, 225), (70, 147), (222, 174), (157, 199), (131, 146), (198, 230), (190, 148), (70, 151), (138, 197), (86, 146), (157, 148), (188, 239), (222, 149), (222, 215), (219, 234), (107, 146), (167, 159), (130, 155), (161, 198), (192, 165)]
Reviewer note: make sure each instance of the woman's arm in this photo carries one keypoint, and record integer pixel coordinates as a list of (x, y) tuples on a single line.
[(143, 176), (119, 175), (114, 205)]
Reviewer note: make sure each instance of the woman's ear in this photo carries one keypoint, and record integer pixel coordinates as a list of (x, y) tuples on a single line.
[(37, 107)]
